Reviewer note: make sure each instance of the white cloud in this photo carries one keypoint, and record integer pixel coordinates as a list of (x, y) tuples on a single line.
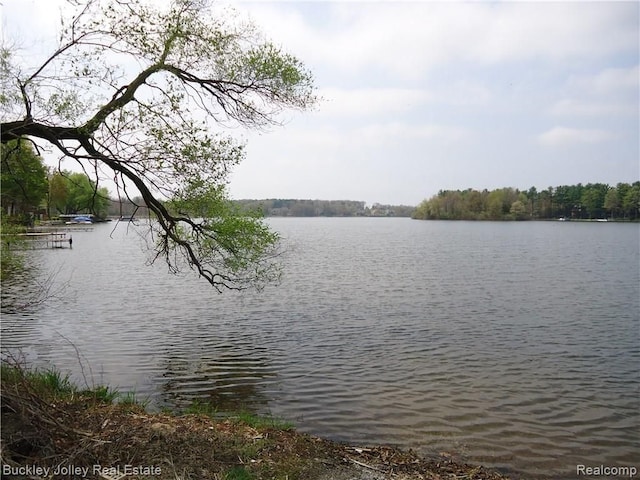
[(563, 136), (391, 133), (297, 143), (608, 81), (370, 101), (516, 31), (463, 93), (582, 107), (411, 38), (608, 92)]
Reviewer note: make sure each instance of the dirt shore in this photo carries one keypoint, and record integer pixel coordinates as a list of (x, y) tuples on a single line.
[(78, 436)]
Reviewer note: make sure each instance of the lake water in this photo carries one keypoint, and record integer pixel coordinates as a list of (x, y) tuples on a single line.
[(514, 345)]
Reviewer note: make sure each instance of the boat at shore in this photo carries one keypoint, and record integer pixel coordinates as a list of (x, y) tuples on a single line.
[(80, 220)]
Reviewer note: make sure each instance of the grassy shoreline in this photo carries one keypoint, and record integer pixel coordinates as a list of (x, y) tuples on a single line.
[(51, 428)]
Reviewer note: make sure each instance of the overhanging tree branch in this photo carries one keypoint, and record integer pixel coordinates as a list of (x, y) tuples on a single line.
[(151, 131)]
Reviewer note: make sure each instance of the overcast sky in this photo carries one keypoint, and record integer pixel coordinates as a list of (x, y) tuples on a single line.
[(424, 96)]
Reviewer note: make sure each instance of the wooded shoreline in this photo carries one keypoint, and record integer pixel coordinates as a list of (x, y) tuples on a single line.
[(568, 202)]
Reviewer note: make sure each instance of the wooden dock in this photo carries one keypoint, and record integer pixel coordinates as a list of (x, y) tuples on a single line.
[(58, 228), (39, 240)]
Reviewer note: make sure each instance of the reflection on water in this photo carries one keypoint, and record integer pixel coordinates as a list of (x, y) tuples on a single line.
[(511, 344), (225, 378)]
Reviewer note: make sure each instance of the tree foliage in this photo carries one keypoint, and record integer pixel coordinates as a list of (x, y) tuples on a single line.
[(76, 193), (594, 200), (24, 178), (138, 95)]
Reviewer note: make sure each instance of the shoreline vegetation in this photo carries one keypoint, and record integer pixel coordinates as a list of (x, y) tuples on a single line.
[(51, 428), (593, 201), (566, 202)]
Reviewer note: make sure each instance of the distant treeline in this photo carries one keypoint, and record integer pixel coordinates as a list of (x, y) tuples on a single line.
[(275, 207), (590, 201), (284, 208), (124, 207)]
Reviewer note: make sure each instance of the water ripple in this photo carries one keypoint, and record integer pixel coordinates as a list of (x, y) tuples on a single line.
[(512, 345)]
